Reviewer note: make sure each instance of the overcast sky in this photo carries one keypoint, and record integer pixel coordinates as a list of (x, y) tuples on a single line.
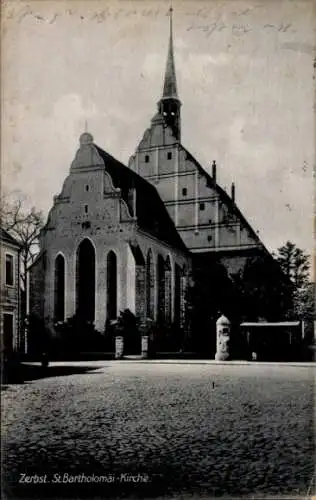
[(245, 78)]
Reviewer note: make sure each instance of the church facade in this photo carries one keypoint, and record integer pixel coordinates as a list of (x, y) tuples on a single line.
[(159, 237), (108, 245)]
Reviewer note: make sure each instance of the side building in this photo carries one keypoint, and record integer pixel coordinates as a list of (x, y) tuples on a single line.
[(10, 293)]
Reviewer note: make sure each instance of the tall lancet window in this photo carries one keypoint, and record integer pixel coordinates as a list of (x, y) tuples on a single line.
[(150, 285), (161, 288), (85, 281), (177, 295), (59, 295), (111, 289), (168, 290)]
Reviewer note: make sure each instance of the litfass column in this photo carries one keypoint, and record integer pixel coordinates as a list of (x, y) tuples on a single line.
[(223, 327)]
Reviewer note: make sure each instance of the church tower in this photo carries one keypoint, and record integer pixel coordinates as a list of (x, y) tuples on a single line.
[(206, 216), (169, 104)]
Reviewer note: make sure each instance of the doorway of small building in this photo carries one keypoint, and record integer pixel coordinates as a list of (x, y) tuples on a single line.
[(8, 322), (132, 343), (131, 333)]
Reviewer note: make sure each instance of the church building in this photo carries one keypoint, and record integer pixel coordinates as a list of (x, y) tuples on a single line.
[(159, 237)]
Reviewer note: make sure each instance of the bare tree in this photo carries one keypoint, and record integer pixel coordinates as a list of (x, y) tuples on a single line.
[(24, 225)]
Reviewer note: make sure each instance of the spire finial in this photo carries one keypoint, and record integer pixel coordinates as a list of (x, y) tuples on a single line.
[(170, 15), (86, 137)]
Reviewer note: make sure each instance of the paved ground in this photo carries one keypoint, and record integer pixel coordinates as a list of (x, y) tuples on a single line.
[(105, 429)]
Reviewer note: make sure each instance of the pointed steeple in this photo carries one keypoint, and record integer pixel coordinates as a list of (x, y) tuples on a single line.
[(170, 83), (169, 104)]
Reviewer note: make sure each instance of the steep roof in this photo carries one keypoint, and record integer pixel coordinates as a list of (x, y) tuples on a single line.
[(7, 238), (225, 198), (151, 213)]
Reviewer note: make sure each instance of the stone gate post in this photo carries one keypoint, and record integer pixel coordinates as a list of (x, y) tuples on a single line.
[(223, 329)]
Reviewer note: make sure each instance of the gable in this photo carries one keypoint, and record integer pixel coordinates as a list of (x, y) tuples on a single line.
[(100, 194)]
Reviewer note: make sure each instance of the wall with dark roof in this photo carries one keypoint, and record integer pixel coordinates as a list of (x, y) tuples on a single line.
[(205, 216)]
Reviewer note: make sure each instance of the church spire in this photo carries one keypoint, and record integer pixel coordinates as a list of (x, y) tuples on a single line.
[(170, 83), (169, 104)]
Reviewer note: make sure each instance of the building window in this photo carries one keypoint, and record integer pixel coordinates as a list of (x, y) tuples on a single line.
[(9, 270), (209, 238), (146, 158), (184, 191), (87, 187), (169, 156), (86, 209), (202, 206)]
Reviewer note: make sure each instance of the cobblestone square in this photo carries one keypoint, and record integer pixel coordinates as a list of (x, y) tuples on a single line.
[(168, 430)]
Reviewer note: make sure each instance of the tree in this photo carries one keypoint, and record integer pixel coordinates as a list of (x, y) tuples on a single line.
[(295, 265), (261, 291), (24, 225)]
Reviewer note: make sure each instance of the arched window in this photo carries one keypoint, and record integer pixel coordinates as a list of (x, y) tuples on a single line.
[(183, 296), (168, 290), (59, 289), (177, 295), (161, 287), (111, 289), (150, 286), (85, 281)]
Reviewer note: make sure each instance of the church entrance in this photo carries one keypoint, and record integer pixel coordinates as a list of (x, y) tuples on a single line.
[(85, 282)]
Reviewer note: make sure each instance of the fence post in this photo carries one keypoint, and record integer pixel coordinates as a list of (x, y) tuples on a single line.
[(119, 347)]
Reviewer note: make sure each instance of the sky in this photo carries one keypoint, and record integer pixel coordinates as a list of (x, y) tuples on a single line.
[(245, 79)]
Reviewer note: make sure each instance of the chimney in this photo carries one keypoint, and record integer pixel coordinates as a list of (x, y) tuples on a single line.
[(233, 192), (214, 171)]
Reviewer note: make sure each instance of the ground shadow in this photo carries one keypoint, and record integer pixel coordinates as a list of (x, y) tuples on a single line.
[(27, 372)]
